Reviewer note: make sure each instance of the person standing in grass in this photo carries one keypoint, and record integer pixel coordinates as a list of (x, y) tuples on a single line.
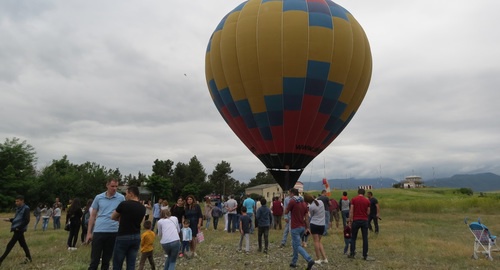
[(245, 227), (147, 246), (85, 220), (102, 229), (344, 207), (231, 206), (358, 216), (263, 217), (299, 225), (277, 210), (347, 237), (326, 204), (74, 217), (208, 212), (57, 216), (129, 214), (194, 215), (251, 206), (374, 212), (187, 237), (18, 227), (317, 226), (46, 215)]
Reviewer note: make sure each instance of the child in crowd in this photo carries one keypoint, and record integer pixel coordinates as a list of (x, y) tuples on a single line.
[(147, 240), (187, 237), (347, 237), (245, 226)]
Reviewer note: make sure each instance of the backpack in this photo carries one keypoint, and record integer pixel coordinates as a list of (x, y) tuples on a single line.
[(216, 212)]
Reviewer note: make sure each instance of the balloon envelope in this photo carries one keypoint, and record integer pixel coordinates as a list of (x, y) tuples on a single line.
[(287, 76)]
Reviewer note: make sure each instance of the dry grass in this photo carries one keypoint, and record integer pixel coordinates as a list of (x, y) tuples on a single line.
[(408, 240)]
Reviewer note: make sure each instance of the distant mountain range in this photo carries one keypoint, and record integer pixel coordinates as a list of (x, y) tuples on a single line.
[(481, 182)]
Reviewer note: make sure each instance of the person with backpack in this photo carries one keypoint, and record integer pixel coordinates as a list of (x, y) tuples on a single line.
[(216, 214), (344, 206)]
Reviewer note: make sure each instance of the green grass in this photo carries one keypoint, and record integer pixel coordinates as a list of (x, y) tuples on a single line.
[(420, 229)]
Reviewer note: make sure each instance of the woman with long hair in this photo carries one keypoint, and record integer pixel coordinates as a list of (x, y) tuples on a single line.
[(317, 226), (195, 216), (74, 217)]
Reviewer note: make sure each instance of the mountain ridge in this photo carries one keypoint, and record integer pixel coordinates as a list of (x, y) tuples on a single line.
[(480, 182)]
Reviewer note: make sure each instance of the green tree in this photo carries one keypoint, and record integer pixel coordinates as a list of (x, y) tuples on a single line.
[(180, 178), (163, 168), (220, 177), (160, 187), (261, 178), (197, 184), (17, 170)]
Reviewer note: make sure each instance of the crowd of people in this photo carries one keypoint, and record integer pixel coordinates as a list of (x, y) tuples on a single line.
[(111, 224)]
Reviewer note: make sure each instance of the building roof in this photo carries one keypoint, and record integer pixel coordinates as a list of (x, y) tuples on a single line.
[(263, 186)]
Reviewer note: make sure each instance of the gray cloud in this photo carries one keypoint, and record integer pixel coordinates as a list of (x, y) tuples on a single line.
[(122, 83)]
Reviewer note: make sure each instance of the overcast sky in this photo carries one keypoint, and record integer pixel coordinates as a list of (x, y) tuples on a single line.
[(122, 83)]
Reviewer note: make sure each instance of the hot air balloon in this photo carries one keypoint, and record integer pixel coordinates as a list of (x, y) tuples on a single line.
[(287, 76)]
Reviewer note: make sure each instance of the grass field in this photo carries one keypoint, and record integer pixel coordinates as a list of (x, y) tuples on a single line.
[(420, 229)]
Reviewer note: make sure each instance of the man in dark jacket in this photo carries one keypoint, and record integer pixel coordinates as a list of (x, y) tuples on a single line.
[(19, 226)]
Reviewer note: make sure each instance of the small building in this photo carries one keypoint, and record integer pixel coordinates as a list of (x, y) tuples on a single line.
[(412, 181), (267, 191)]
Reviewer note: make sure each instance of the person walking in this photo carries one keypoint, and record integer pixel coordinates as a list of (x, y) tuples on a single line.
[(147, 246), (37, 213), (129, 215), (374, 212), (74, 218), (168, 231), (216, 214), (286, 231), (156, 212), (358, 216), (19, 225), (245, 228), (299, 225), (102, 229)]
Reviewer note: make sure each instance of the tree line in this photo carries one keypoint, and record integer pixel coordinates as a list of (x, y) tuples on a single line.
[(66, 180)]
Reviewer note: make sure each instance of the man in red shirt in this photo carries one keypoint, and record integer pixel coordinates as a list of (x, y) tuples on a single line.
[(358, 215), (299, 225)]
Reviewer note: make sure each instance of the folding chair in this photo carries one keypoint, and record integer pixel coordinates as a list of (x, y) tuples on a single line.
[(482, 239)]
